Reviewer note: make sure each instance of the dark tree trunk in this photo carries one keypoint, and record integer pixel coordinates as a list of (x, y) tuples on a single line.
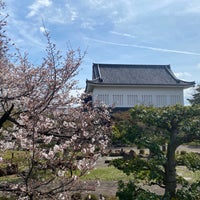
[(6, 115), (170, 168), (170, 173)]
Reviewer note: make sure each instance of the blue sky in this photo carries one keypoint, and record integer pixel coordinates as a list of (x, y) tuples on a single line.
[(112, 31)]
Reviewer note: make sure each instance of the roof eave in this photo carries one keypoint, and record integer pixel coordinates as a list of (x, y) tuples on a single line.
[(90, 85)]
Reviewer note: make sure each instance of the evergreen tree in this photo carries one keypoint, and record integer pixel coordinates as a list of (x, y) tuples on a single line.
[(151, 128)]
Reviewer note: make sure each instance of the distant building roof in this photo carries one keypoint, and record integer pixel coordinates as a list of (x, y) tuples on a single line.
[(138, 75)]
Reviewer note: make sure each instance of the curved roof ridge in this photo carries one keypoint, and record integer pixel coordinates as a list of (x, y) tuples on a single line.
[(177, 79)]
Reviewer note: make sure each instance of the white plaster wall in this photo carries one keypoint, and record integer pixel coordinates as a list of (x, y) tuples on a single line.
[(171, 95)]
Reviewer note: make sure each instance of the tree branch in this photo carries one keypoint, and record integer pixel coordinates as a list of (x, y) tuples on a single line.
[(6, 115)]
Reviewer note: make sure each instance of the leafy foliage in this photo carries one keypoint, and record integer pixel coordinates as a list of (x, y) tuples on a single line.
[(189, 192), (124, 130), (153, 128), (130, 191), (149, 171), (190, 160)]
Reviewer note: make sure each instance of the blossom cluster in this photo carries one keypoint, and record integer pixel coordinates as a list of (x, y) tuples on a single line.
[(62, 135)]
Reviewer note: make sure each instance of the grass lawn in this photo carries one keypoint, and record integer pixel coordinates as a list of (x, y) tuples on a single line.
[(107, 174), (110, 173), (101, 172)]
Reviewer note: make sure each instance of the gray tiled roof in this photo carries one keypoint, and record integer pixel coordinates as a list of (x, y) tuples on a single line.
[(120, 74)]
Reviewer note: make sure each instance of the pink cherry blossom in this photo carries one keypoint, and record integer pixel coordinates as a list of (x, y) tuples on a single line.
[(56, 132)]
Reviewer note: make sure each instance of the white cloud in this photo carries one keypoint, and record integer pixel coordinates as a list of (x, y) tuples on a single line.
[(193, 6), (183, 75), (188, 95), (198, 66), (89, 24), (43, 29), (96, 2), (37, 5), (123, 12), (122, 34), (61, 15), (146, 47), (25, 35), (73, 15), (53, 12)]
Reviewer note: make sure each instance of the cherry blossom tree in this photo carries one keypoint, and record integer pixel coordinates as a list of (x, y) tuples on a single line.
[(58, 135)]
